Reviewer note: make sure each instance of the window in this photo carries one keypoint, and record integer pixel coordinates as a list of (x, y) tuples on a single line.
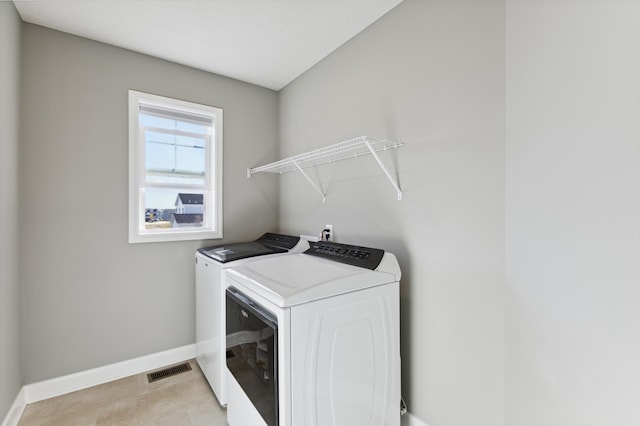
[(175, 169)]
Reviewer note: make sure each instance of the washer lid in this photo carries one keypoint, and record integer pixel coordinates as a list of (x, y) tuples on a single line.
[(234, 251), (268, 243), (300, 278)]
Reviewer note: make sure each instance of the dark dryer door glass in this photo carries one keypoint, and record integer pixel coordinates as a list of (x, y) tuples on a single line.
[(252, 344)]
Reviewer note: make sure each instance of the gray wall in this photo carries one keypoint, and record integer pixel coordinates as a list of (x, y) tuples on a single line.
[(431, 75), (548, 230), (10, 380), (88, 297), (573, 212)]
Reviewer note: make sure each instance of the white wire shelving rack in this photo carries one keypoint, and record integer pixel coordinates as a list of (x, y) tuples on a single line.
[(351, 148)]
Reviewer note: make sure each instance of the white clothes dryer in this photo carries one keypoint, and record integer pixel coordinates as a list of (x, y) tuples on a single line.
[(314, 339)]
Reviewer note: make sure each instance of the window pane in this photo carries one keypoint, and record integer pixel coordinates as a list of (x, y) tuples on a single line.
[(191, 127), (174, 158), (149, 120), (159, 151), (190, 158), (154, 121), (170, 208)]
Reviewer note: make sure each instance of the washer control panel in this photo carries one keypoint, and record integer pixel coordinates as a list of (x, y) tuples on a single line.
[(286, 242)]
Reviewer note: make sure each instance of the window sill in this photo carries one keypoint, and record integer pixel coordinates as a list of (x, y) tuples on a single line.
[(177, 235)]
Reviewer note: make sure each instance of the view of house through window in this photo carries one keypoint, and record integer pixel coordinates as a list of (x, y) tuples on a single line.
[(175, 169), (187, 210)]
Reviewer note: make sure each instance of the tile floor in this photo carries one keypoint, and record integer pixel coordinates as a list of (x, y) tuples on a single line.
[(181, 400)]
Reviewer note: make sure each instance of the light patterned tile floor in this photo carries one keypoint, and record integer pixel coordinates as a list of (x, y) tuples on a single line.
[(181, 400)]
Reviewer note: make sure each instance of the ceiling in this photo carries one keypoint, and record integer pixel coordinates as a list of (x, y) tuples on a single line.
[(264, 42)]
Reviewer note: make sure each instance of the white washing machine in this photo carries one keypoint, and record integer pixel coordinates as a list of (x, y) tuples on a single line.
[(314, 339), (210, 298)]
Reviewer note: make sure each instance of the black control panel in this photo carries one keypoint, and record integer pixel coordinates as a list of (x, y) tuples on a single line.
[(363, 257), (286, 242)]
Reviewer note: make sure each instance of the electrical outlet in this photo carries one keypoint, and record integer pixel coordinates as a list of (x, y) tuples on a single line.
[(329, 233)]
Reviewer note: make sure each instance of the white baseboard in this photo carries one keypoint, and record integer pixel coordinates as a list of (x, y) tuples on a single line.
[(61, 385), (39, 391), (410, 420), (16, 410)]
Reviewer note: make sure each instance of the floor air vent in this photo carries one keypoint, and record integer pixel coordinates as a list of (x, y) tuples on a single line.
[(168, 372)]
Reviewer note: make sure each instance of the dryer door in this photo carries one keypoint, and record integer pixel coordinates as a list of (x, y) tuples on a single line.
[(252, 339)]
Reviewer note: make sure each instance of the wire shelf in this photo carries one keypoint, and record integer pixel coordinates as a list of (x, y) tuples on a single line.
[(351, 148)]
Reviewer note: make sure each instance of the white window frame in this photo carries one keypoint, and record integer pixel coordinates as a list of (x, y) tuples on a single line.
[(212, 221)]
